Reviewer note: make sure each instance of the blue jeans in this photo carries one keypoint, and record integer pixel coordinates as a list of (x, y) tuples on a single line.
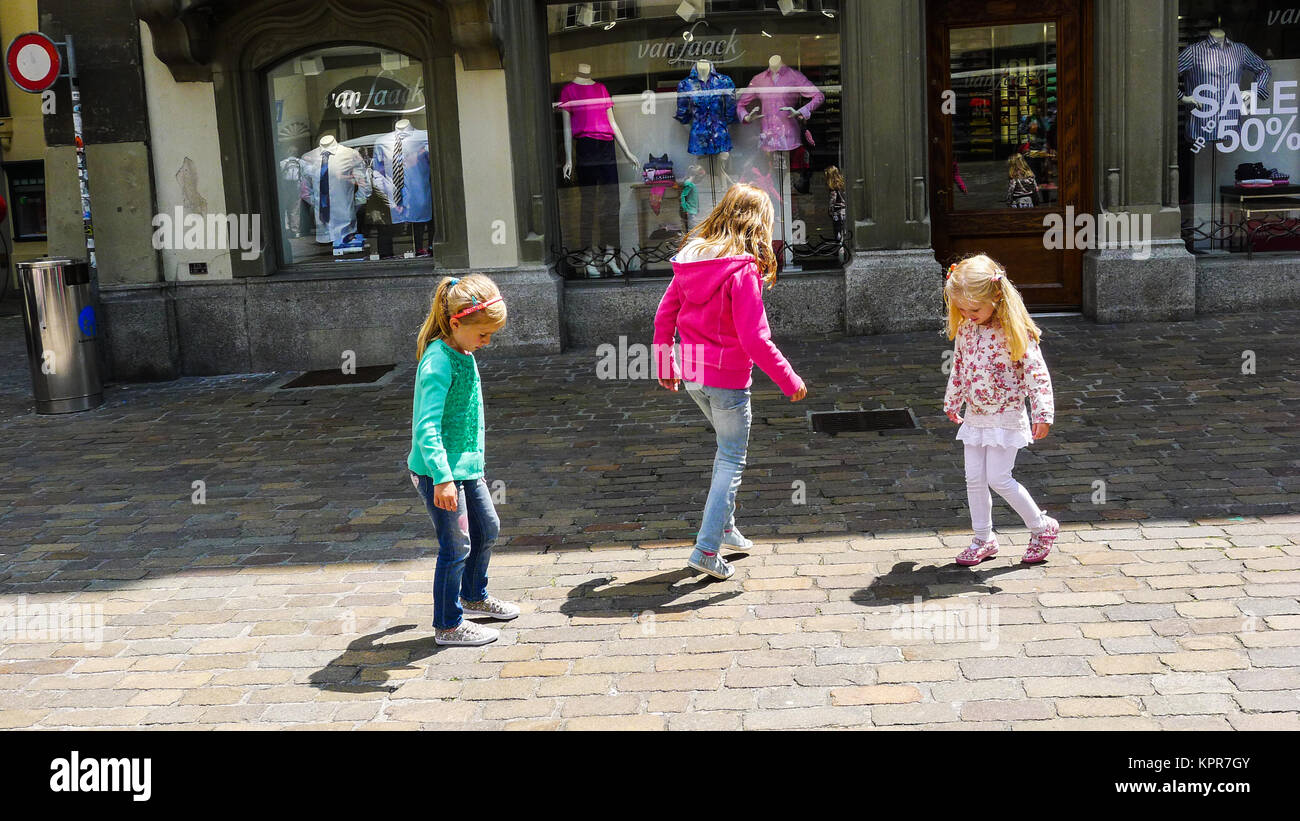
[(729, 413), (465, 539)]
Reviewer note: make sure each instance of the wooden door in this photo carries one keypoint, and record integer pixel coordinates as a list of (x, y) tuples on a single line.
[(1011, 78)]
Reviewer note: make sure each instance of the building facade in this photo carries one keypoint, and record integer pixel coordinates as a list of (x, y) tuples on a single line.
[(278, 182)]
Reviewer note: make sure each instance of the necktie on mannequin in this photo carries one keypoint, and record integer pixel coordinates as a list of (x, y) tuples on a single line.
[(324, 188), (399, 171)]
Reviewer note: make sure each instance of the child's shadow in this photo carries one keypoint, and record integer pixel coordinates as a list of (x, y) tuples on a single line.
[(907, 582), (345, 673), (602, 597)]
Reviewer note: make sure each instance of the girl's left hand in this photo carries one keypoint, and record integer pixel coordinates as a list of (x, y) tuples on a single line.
[(1040, 430)]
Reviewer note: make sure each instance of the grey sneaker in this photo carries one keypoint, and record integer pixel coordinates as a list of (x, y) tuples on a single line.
[(710, 565), (468, 634), (733, 540), (492, 608)]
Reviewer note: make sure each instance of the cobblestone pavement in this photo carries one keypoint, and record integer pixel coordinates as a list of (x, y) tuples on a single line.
[(299, 594)]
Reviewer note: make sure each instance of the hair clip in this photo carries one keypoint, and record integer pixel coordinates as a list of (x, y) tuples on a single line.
[(454, 282), (951, 269)]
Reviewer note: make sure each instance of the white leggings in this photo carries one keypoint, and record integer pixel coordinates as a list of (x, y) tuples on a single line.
[(988, 467)]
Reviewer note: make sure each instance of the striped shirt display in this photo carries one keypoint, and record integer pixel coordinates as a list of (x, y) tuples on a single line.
[(1217, 65)]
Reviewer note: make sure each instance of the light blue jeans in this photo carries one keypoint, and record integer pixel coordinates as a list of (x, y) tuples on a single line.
[(729, 413)]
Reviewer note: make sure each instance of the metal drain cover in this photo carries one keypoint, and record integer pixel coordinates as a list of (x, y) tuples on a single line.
[(834, 422), (336, 376)]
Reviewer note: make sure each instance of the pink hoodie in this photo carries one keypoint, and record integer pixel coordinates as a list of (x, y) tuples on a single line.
[(717, 305)]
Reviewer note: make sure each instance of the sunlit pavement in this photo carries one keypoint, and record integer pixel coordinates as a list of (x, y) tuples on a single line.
[(298, 594)]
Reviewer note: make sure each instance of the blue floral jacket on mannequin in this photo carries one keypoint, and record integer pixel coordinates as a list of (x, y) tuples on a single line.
[(709, 107)]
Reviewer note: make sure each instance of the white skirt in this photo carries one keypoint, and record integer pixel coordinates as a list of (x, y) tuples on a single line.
[(1004, 430)]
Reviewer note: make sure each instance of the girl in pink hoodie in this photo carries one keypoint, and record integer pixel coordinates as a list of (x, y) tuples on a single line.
[(715, 302)]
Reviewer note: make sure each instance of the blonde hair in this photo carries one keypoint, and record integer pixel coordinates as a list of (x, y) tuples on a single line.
[(741, 223), (834, 178), (453, 296), (980, 280), (1017, 168)]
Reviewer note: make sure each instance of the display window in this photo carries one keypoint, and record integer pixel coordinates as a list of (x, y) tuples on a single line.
[(1238, 132), (352, 156), (660, 106)]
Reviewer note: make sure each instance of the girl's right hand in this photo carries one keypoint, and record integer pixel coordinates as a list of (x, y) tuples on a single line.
[(798, 395), (670, 384), (444, 496), (954, 417)]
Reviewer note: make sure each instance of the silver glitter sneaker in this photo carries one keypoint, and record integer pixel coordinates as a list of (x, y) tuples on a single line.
[(710, 565), (468, 634), (733, 540), (492, 608)]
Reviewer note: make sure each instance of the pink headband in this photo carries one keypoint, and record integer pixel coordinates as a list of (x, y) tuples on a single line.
[(477, 306)]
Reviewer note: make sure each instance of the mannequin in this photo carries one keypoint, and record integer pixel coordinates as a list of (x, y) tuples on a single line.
[(1212, 70), (776, 91), (334, 180), (411, 201), (589, 124), (706, 101)]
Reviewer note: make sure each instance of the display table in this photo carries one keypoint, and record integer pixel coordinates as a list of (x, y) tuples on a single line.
[(1250, 203), (666, 223)]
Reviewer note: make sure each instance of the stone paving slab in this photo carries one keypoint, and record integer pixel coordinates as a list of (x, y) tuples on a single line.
[(298, 595)]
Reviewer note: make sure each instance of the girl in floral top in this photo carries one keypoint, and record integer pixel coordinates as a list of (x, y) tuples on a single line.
[(996, 364)]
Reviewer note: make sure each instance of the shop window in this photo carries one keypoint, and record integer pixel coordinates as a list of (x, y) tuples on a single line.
[(656, 116), (1239, 125), (27, 199), (352, 156)]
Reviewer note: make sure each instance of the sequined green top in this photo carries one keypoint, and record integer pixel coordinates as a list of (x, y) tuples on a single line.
[(447, 416)]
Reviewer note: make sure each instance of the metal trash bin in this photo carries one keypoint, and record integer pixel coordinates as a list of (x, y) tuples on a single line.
[(62, 335)]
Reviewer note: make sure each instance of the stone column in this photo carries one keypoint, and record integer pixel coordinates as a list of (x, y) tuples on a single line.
[(892, 284), (1135, 116)]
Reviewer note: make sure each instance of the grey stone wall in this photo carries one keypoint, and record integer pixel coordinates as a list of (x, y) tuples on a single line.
[(1235, 285), (600, 312), (303, 323), (892, 292), (1119, 287)]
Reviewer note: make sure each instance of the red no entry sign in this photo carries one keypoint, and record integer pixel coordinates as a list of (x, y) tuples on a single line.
[(32, 62)]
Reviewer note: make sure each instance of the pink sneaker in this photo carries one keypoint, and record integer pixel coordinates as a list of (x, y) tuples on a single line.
[(1040, 544), (978, 551)]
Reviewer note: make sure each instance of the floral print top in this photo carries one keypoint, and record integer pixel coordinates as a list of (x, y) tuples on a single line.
[(988, 382), (709, 107)]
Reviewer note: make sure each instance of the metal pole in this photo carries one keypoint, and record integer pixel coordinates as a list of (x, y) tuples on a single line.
[(83, 175)]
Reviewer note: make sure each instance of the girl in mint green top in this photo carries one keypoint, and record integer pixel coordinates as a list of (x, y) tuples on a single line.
[(446, 457)]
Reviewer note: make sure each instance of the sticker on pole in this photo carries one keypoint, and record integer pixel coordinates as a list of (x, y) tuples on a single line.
[(32, 62)]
